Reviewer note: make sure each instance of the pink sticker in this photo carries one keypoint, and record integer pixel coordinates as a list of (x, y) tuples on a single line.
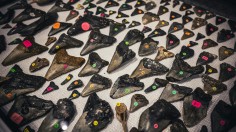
[(102, 15), (196, 104), (15, 117), (91, 40), (219, 19), (228, 36), (205, 44), (211, 29), (222, 122), (229, 69), (205, 58), (65, 66), (27, 43), (72, 12), (155, 126), (85, 26), (49, 89), (199, 10), (171, 41)]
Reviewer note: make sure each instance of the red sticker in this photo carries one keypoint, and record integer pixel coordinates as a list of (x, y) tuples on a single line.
[(196, 104), (205, 58), (155, 126), (27, 43), (49, 89), (65, 66), (15, 117), (85, 26)]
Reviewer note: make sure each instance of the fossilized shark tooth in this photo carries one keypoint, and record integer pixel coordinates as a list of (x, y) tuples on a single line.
[(121, 15), (232, 95), (195, 107), (178, 125), (134, 24), (94, 64), (72, 14), (125, 85), (68, 78), (199, 36), (199, 11), (71, 2), (158, 83), (100, 10), (75, 84), (96, 41), (138, 101), (140, 3), (186, 19), (122, 115), (74, 95), (174, 92), (6, 26), (185, 6), (16, 29), (90, 6), (174, 15), (134, 129), (27, 14), (162, 10), (133, 36), (204, 129), (3, 79), (59, 117), (125, 7), (22, 4), (162, 23), (225, 52), (150, 5), (15, 41), (198, 22), (148, 67), (158, 116), (175, 26), (210, 29), (171, 41), (26, 49), (60, 6), (163, 54), (148, 46), (186, 53), (181, 70), (210, 70), (191, 44), (224, 35), (187, 34), (116, 28), (28, 108), (86, 23), (91, 119), (96, 83), (122, 56), (38, 64), (111, 3), (227, 72), (42, 2), (205, 58), (65, 42), (149, 17), (146, 29), (101, 1), (6, 18), (50, 40), (62, 64), (157, 33), (2, 43), (58, 27)]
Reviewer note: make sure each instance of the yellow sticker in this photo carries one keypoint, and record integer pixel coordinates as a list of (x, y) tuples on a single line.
[(33, 64), (118, 104)]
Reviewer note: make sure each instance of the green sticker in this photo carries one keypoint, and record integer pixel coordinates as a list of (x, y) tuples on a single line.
[(135, 103), (116, 29), (214, 88), (13, 70), (181, 72), (127, 90), (56, 125), (184, 54), (154, 87), (174, 92), (126, 42), (94, 65)]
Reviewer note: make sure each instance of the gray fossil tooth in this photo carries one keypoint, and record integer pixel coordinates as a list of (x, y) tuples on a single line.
[(138, 101), (38, 64)]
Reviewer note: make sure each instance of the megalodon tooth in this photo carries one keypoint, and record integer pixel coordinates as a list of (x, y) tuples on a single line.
[(75, 84), (60, 6), (62, 64), (121, 15), (162, 23), (116, 28), (133, 36), (162, 10), (3, 44), (137, 11), (185, 6), (210, 29), (73, 14), (26, 49), (68, 78), (100, 10), (227, 72), (174, 15), (199, 11), (186, 53), (15, 41), (175, 26), (187, 34), (186, 19), (171, 41), (74, 95), (140, 3), (150, 5), (17, 28), (199, 36), (148, 46), (198, 22), (58, 27), (158, 83), (163, 54), (213, 86), (125, 7), (210, 70), (205, 58), (6, 26), (225, 52), (50, 40), (224, 35), (138, 101), (51, 87), (38, 64), (6, 18)]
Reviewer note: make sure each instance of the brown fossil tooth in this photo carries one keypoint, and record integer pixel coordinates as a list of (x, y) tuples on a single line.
[(138, 101), (62, 64), (163, 54), (122, 115), (38, 64), (50, 40)]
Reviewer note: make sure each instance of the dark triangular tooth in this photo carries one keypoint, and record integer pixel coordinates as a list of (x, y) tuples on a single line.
[(97, 40), (199, 11), (204, 129), (97, 83), (224, 35), (100, 10), (125, 7), (162, 23), (195, 107), (134, 129), (122, 56), (186, 19), (146, 29), (150, 5), (175, 3), (71, 2), (28, 129), (129, 1), (175, 26), (137, 11), (121, 15), (51, 87), (232, 95), (198, 22), (205, 58), (26, 49), (162, 10), (75, 84), (209, 15), (65, 42), (101, 1), (7, 17), (50, 40), (116, 28), (74, 95), (148, 46), (90, 6), (59, 7), (38, 64), (68, 78), (225, 52), (87, 12), (171, 41), (134, 24), (199, 36), (21, 5), (220, 20), (185, 6), (148, 67), (157, 32), (158, 83), (72, 14), (140, 3), (174, 15), (210, 29), (58, 27), (15, 41), (125, 21), (125, 85), (16, 29), (227, 72), (133, 36), (187, 34), (166, 4), (27, 109), (186, 53), (111, 3), (62, 64), (6, 26), (3, 44), (164, 1), (191, 44), (181, 70), (188, 12), (149, 17), (153, 122), (111, 12), (163, 54), (138, 101), (94, 64), (208, 43), (232, 25), (210, 70), (178, 125), (79, 7)]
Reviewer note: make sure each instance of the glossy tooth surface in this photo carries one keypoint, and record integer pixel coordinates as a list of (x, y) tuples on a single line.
[(68, 78), (38, 64), (205, 58), (174, 15), (192, 44), (209, 15), (121, 15), (146, 29), (140, 3), (75, 84), (111, 3), (225, 52), (51, 87), (148, 46), (186, 19), (189, 12), (137, 11), (58, 27), (187, 34), (149, 17), (125, 7), (138, 101)]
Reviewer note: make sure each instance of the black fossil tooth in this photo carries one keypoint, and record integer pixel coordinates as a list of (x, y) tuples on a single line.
[(208, 43), (209, 15), (129, 1), (122, 56), (199, 11), (27, 109), (6, 18), (42, 23), (121, 15), (87, 12), (97, 40), (148, 46), (101, 1), (28, 129), (186, 53), (204, 129), (178, 125), (198, 22), (111, 3), (22, 4), (65, 42), (68, 78), (125, 85), (164, 1), (26, 49), (148, 67), (71, 2), (210, 70), (50, 40), (195, 107), (146, 29), (150, 5), (6, 26), (175, 3), (222, 117), (224, 35), (59, 117), (227, 72), (137, 11), (15, 41), (187, 34), (232, 95), (87, 2), (75, 84), (38, 64), (181, 70), (189, 12), (51, 87), (162, 23), (58, 27), (90, 6), (86, 23), (163, 54), (74, 95), (100, 10), (166, 4), (174, 15), (133, 36), (174, 92), (157, 32), (138, 101), (60, 6), (225, 52), (205, 58), (125, 21), (111, 12), (186, 19), (134, 129), (62, 64), (16, 29), (18, 83), (192, 43), (2, 43), (199, 36), (73, 14), (149, 17), (91, 119), (158, 83), (185, 6), (43, 2), (175, 26), (140, 3), (158, 116), (162, 10), (210, 29), (134, 24), (171, 41), (94, 64), (220, 20), (27, 14), (96, 83), (232, 25)]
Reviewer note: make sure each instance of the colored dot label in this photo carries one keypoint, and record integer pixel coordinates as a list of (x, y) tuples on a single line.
[(211, 29), (26, 130), (85, 26), (187, 33), (135, 103), (138, 3), (226, 52), (222, 122), (154, 87), (94, 65), (229, 69), (65, 66), (76, 82), (57, 47), (196, 104), (127, 43), (187, 20), (181, 72), (171, 41), (74, 95), (68, 78), (210, 70), (13, 70), (116, 29), (127, 90), (118, 104), (49, 89), (139, 12), (119, 15), (175, 28), (91, 85), (56, 25), (95, 123), (27, 43), (155, 126), (205, 58), (9, 95), (146, 46), (184, 54), (174, 92), (162, 23), (214, 88), (33, 64), (205, 44), (142, 72), (56, 125)]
